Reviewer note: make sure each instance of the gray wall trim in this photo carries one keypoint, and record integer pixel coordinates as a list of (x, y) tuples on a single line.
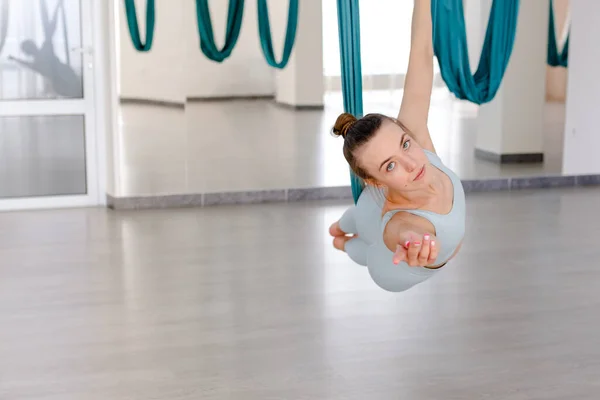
[(334, 193), (151, 102)]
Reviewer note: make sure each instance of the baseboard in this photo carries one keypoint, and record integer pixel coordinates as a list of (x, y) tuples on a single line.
[(151, 102), (513, 158), (205, 99), (301, 107), (172, 104), (333, 193)]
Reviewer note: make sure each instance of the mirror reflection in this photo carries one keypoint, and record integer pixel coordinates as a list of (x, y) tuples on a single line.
[(255, 127)]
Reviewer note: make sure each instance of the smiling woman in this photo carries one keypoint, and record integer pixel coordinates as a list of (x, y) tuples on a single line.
[(420, 224)]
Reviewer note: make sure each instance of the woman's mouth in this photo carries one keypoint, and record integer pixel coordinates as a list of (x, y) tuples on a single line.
[(420, 174)]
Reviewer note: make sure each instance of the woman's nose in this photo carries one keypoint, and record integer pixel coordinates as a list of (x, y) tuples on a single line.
[(409, 164)]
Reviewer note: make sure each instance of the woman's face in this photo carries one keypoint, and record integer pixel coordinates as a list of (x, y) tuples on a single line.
[(395, 160)]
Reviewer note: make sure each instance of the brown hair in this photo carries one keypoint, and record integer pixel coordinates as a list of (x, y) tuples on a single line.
[(356, 133)]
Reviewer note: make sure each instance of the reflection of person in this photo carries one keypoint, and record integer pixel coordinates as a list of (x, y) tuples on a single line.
[(420, 224), (63, 79)]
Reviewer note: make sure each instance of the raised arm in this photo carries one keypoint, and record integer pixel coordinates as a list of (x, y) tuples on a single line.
[(419, 76), (24, 63)]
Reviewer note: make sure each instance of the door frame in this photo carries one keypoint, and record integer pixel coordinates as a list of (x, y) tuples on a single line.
[(98, 86)]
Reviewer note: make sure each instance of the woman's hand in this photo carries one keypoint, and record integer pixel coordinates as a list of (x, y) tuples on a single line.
[(416, 249)]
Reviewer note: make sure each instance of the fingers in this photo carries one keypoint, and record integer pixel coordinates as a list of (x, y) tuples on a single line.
[(433, 253), (399, 255), (414, 246), (423, 257), (419, 251)]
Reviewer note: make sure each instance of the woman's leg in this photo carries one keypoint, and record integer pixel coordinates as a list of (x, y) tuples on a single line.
[(357, 250), (340, 230), (348, 221), (345, 237)]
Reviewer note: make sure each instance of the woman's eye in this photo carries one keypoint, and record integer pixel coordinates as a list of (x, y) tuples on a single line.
[(391, 166), (406, 145)]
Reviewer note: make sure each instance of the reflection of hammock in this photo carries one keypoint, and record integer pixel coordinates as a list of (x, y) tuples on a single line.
[(43, 60), (3, 22), (50, 25)]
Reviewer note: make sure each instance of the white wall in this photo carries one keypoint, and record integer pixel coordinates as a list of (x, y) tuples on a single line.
[(524, 109), (476, 14), (582, 137), (512, 123), (176, 68), (105, 96), (159, 73), (245, 72), (300, 83), (476, 18)]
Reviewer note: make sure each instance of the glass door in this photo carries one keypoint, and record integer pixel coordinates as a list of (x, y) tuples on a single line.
[(47, 138)]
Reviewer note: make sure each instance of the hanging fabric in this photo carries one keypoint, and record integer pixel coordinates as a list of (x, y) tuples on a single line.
[(3, 22), (208, 46), (264, 32), (349, 34), (556, 59), (132, 23), (49, 25), (450, 48)]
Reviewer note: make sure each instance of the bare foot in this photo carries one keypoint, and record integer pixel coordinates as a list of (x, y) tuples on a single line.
[(339, 242), (335, 230)]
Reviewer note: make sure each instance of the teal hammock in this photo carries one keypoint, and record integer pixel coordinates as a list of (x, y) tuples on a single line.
[(349, 34), (450, 48), (264, 32), (205, 29), (556, 59), (132, 23)]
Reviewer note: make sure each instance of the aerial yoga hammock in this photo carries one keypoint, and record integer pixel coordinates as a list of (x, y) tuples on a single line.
[(556, 58), (235, 16), (451, 50), (134, 30), (208, 46), (364, 219), (234, 23), (264, 32)]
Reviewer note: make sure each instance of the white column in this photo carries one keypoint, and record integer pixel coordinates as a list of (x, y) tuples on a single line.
[(245, 73), (474, 18), (510, 127), (157, 75), (582, 133), (556, 77), (300, 83)]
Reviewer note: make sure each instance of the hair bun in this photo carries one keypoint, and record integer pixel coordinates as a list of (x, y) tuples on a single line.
[(343, 124)]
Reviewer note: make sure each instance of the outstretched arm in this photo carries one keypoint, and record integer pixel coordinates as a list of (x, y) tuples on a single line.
[(410, 243), (419, 76), (24, 63)]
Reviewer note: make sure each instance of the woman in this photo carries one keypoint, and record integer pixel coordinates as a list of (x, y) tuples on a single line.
[(422, 216)]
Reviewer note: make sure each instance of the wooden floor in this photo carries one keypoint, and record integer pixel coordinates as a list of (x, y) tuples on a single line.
[(252, 302)]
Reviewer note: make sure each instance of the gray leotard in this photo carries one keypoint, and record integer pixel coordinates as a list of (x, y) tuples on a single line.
[(368, 249)]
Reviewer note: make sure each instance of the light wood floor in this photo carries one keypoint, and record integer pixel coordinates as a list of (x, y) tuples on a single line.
[(252, 302)]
